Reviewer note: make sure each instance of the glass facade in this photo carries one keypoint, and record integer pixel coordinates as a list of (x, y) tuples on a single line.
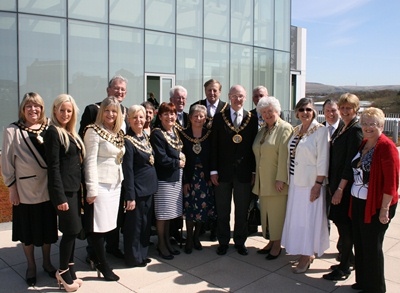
[(76, 46)]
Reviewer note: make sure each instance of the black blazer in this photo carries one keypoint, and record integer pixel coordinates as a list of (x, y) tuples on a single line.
[(340, 125), (229, 158), (166, 157), (90, 113), (140, 177), (203, 102), (64, 168), (191, 156)]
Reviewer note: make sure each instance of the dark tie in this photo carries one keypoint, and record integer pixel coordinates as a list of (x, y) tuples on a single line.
[(236, 121)]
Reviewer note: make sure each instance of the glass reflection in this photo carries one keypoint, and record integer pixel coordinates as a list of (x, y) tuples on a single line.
[(47, 7), (242, 22), (216, 19), (160, 15), (127, 12), (281, 78), (160, 52), (189, 19), (282, 25), (9, 5), (84, 9), (242, 68), (263, 68), (216, 63), (264, 23)]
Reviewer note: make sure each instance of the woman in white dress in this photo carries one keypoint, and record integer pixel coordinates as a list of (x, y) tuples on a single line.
[(305, 231), (104, 142)]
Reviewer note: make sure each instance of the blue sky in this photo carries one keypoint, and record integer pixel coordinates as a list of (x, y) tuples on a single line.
[(351, 42)]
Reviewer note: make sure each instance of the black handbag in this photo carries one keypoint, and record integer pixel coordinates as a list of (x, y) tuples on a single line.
[(254, 217)]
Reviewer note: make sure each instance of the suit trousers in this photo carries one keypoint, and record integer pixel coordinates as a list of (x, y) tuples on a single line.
[(368, 241), (241, 193)]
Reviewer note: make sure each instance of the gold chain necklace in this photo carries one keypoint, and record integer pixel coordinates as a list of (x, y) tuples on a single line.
[(237, 138), (142, 146), (268, 131), (210, 119), (37, 132), (296, 132), (196, 141), (116, 139), (176, 142), (344, 129)]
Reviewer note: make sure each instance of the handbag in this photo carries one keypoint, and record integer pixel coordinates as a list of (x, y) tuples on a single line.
[(254, 217)]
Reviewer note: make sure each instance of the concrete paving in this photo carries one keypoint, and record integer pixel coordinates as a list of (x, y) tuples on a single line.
[(201, 271)]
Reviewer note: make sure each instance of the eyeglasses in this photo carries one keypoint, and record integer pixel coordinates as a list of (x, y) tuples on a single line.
[(372, 124), (305, 110), (238, 97)]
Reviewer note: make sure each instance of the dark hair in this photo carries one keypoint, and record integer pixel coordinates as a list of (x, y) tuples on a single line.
[(329, 101), (303, 102), (148, 104), (166, 107), (212, 81)]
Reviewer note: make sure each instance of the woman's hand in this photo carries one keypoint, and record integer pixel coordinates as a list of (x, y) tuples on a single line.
[(91, 199), (186, 188), (279, 185), (384, 215), (181, 164), (63, 207), (130, 205), (214, 179), (315, 192), (14, 196), (337, 197)]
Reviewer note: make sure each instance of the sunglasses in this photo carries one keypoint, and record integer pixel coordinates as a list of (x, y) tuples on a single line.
[(305, 109)]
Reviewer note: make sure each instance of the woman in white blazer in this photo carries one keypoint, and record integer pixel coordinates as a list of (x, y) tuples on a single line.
[(104, 142), (305, 231)]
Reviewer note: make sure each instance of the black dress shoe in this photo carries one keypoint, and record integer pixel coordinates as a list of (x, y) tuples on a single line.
[(222, 249), (263, 251), (167, 257), (175, 252), (272, 257), (337, 275), (356, 286), (241, 249), (31, 281), (135, 265), (197, 245), (51, 273), (116, 253), (148, 260)]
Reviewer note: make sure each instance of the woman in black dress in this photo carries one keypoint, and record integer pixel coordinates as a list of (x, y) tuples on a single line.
[(198, 200), (24, 170), (64, 153), (139, 171)]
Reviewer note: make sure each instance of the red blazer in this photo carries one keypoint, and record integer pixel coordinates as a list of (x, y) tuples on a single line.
[(384, 176)]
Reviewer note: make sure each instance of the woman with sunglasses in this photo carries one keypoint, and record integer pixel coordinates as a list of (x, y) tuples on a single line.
[(305, 231)]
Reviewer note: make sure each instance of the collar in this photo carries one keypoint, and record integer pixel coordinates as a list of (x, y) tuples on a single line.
[(215, 104)]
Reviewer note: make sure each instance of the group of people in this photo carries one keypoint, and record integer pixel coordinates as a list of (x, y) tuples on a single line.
[(124, 168)]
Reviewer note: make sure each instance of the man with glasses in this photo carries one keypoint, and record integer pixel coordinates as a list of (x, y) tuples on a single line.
[(116, 88), (258, 93), (232, 164)]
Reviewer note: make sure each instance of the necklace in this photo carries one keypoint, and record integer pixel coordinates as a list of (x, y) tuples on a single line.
[(344, 129), (175, 141), (196, 141), (268, 131), (142, 145), (210, 119), (116, 139), (237, 138), (296, 132), (37, 131)]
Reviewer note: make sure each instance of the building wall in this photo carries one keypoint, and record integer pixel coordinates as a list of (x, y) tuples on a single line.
[(76, 46)]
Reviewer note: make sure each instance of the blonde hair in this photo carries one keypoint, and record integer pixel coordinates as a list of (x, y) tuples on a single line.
[(70, 127), (34, 98), (134, 109), (351, 99), (375, 113), (114, 104)]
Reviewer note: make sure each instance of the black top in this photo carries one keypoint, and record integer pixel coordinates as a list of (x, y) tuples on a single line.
[(64, 168), (233, 159), (191, 156), (140, 177), (166, 157)]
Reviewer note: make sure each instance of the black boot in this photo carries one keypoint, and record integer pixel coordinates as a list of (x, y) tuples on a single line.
[(107, 272)]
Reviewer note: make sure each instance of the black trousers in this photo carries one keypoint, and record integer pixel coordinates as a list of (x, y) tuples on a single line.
[(241, 197), (345, 230), (368, 241)]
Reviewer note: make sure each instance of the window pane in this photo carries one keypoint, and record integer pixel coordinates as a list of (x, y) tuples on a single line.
[(189, 67), (281, 78), (160, 15), (87, 62), (42, 51), (160, 52), (126, 58), (10, 5), (264, 23), (8, 72), (282, 25), (263, 68), (242, 69), (216, 64), (94, 10), (48, 7), (189, 17), (127, 12), (242, 22), (216, 19)]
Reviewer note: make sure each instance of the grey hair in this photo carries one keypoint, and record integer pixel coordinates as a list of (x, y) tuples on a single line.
[(134, 109), (176, 88), (197, 108), (259, 88), (269, 101), (117, 77)]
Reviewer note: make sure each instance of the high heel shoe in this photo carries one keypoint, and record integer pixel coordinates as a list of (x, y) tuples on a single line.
[(302, 270), (107, 272), (51, 273), (167, 257), (271, 257), (31, 281), (73, 274), (67, 287)]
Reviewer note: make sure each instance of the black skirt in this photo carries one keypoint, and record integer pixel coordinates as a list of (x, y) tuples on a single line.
[(69, 222), (35, 223)]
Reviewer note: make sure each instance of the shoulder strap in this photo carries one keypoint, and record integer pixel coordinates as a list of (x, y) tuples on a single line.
[(39, 159)]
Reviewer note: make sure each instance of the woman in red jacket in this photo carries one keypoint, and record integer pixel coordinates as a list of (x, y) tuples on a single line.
[(374, 200)]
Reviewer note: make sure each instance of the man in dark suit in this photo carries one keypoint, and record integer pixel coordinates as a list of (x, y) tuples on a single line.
[(232, 166), (117, 87), (212, 90)]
